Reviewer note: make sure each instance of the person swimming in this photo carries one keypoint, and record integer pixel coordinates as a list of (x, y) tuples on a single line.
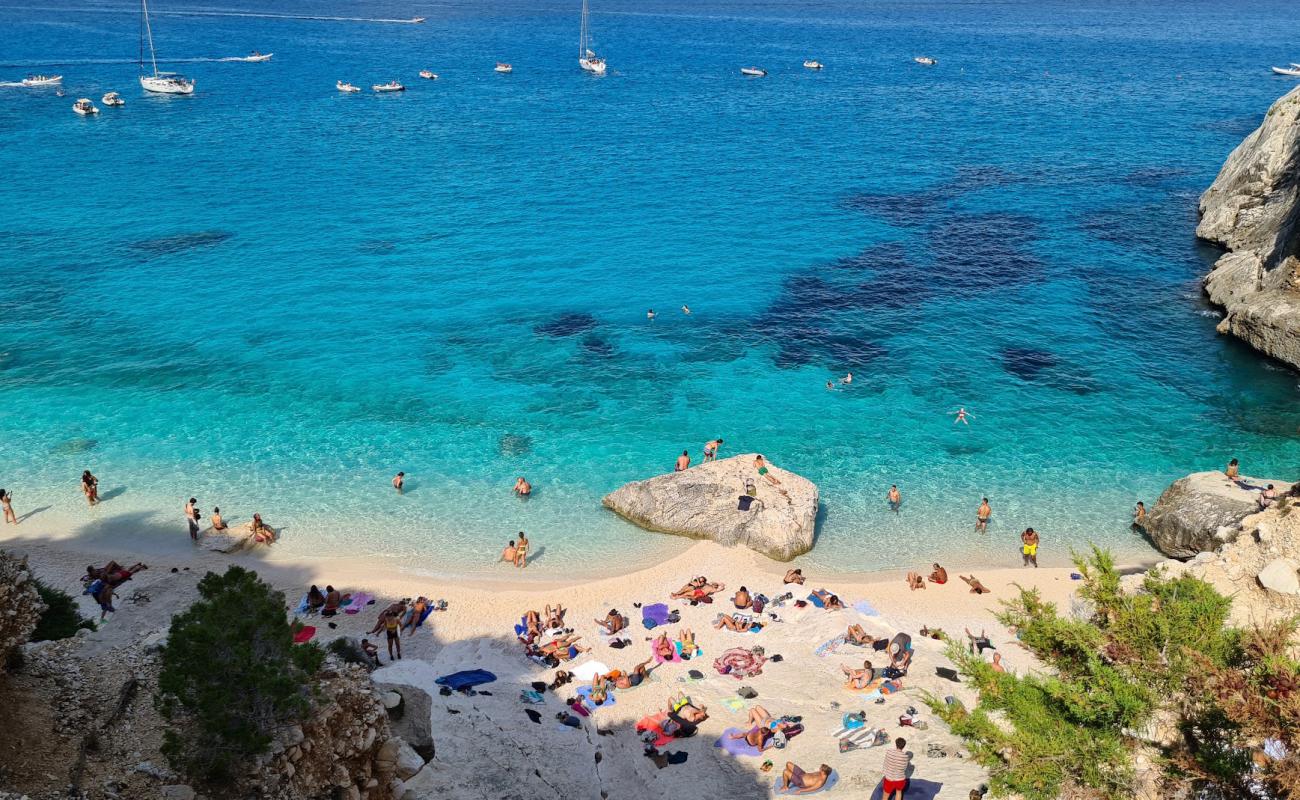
[(962, 415)]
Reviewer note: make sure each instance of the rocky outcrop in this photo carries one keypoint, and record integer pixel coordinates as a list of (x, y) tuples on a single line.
[(231, 540), (703, 503), (1200, 512), (20, 604), (1253, 210)]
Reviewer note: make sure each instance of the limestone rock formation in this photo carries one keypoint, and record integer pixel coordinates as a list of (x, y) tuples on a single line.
[(1280, 575), (231, 540), (1188, 517), (703, 503), (1253, 210), (20, 604)]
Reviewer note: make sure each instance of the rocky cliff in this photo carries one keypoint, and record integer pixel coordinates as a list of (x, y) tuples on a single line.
[(1198, 513), (20, 605), (703, 503), (1253, 210)]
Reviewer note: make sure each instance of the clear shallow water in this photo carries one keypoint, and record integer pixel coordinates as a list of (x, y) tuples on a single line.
[(273, 296)]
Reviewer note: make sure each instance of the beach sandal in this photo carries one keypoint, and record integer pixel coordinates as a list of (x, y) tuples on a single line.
[(766, 767)]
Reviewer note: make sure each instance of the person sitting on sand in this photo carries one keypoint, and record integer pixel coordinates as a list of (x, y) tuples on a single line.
[(522, 487), (628, 680), (413, 615), (975, 586), (554, 616), (683, 462), (612, 623), (334, 599), (698, 590), (829, 600), (521, 551), (915, 581), (737, 622), (794, 780), (794, 576), (218, 524), (315, 598), (742, 599), (372, 651), (980, 643), (997, 663), (262, 533), (938, 574), (859, 678), (1266, 497), (508, 554)]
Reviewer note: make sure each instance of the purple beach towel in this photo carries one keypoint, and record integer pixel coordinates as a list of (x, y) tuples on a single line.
[(655, 615), (737, 747)]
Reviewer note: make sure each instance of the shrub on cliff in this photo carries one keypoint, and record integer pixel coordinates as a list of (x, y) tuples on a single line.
[(61, 619), (231, 677)]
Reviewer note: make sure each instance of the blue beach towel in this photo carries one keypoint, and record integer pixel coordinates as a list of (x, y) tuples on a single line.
[(585, 693), (466, 679), (865, 608), (815, 600), (303, 605)]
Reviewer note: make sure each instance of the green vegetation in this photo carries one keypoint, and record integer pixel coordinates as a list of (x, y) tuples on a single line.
[(231, 675), (1158, 657), (61, 618)]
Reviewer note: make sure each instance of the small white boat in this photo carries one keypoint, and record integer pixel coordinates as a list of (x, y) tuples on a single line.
[(754, 72), (391, 86), (926, 60), (503, 67), (84, 107), (811, 64), (42, 80), (417, 20), (1294, 70), (258, 57), (587, 58), (428, 76), (112, 99), (344, 86)]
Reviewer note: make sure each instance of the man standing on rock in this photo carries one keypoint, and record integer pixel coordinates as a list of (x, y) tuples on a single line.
[(1029, 547)]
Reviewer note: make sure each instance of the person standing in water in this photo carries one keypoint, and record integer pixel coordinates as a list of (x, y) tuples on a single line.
[(1029, 547), (6, 501), (398, 480), (650, 314), (521, 551), (522, 487), (895, 498), (192, 519), (711, 449), (90, 487), (982, 516), (847, 379), (1139, 515), (683, 462)]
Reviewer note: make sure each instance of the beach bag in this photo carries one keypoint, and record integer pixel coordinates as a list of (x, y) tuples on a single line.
[(744, 502), (758, 603)]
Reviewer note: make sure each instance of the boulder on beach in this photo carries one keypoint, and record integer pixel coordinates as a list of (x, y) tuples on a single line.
[(231, 540), (1187, 518), (704, 502)]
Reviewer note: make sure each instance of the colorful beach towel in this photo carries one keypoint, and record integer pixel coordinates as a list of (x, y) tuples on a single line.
[(739, 663), (778, 786), (466, 679), (654, 723), (860, 737), (359, 601), (585, 693), (304, 634), (303, 605)]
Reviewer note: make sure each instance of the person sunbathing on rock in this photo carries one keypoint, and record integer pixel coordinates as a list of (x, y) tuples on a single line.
[(859, 678), (612, 623)]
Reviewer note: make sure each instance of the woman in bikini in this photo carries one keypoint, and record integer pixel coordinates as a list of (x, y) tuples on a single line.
[(6, 501), (90, 487), (859, 678), (663, 648), (521, 551)]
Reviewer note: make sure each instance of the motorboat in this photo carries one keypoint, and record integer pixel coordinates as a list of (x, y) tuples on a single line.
[(391, 86), (811, 64), (587, 58), (84, 107), (344, 86), (428, 76), (417, 20), (42, 80), (112, 99), (158, 82), (258, 57), (753, 72), (926, 60), (1293, 70), (504, 68)]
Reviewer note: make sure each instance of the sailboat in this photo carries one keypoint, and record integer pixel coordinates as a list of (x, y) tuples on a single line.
[(160, 82), (587, 59)]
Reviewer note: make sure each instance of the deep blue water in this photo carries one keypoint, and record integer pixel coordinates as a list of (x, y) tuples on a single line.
[(273, 296)]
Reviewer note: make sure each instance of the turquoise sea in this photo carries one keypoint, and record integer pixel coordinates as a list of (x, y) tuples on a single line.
[(272, 296)]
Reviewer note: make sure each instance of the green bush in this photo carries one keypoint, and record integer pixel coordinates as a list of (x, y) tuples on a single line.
[(61, 619), (231, 675)]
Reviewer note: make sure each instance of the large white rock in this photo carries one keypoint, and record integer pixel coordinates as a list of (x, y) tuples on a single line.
[(1187, 518), (1281, 575), (409, 762), (702, 503)]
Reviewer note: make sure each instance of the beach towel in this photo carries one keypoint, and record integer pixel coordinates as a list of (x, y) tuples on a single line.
[(737, 747), (359, 601), (304, 634), (424, 614), (860, 737), (654, 615), (831, 780), (585, 693), (734, 703), (831, 647), (654, 723), (815, 600), (676, 657), (915, 789), (531, 697), (739, 663), (877, 688), (303, 605), (865, 608), (584, 673), (466, 679)]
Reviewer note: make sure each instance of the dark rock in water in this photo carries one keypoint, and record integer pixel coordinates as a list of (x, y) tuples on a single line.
[(1026, 363), (597, 346), (515, 444), (901, 210), (569, 323), (167, 245), (984, 252), (963, 449), (71, 447)]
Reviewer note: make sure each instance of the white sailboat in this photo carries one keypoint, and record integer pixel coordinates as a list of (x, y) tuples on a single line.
[(159, 82), (587, 59)]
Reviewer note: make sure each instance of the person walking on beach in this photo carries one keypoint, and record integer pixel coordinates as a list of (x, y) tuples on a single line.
[(895, 499), (683, 462), (711, 449), (398, 480), (90, 487), (1029, 547), (6, 501), (392, 627), (962, 415), (982, 516), (521, 551), (895, 769)]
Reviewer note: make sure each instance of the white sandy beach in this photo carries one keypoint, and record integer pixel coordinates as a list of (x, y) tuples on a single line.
[(491, 744)]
